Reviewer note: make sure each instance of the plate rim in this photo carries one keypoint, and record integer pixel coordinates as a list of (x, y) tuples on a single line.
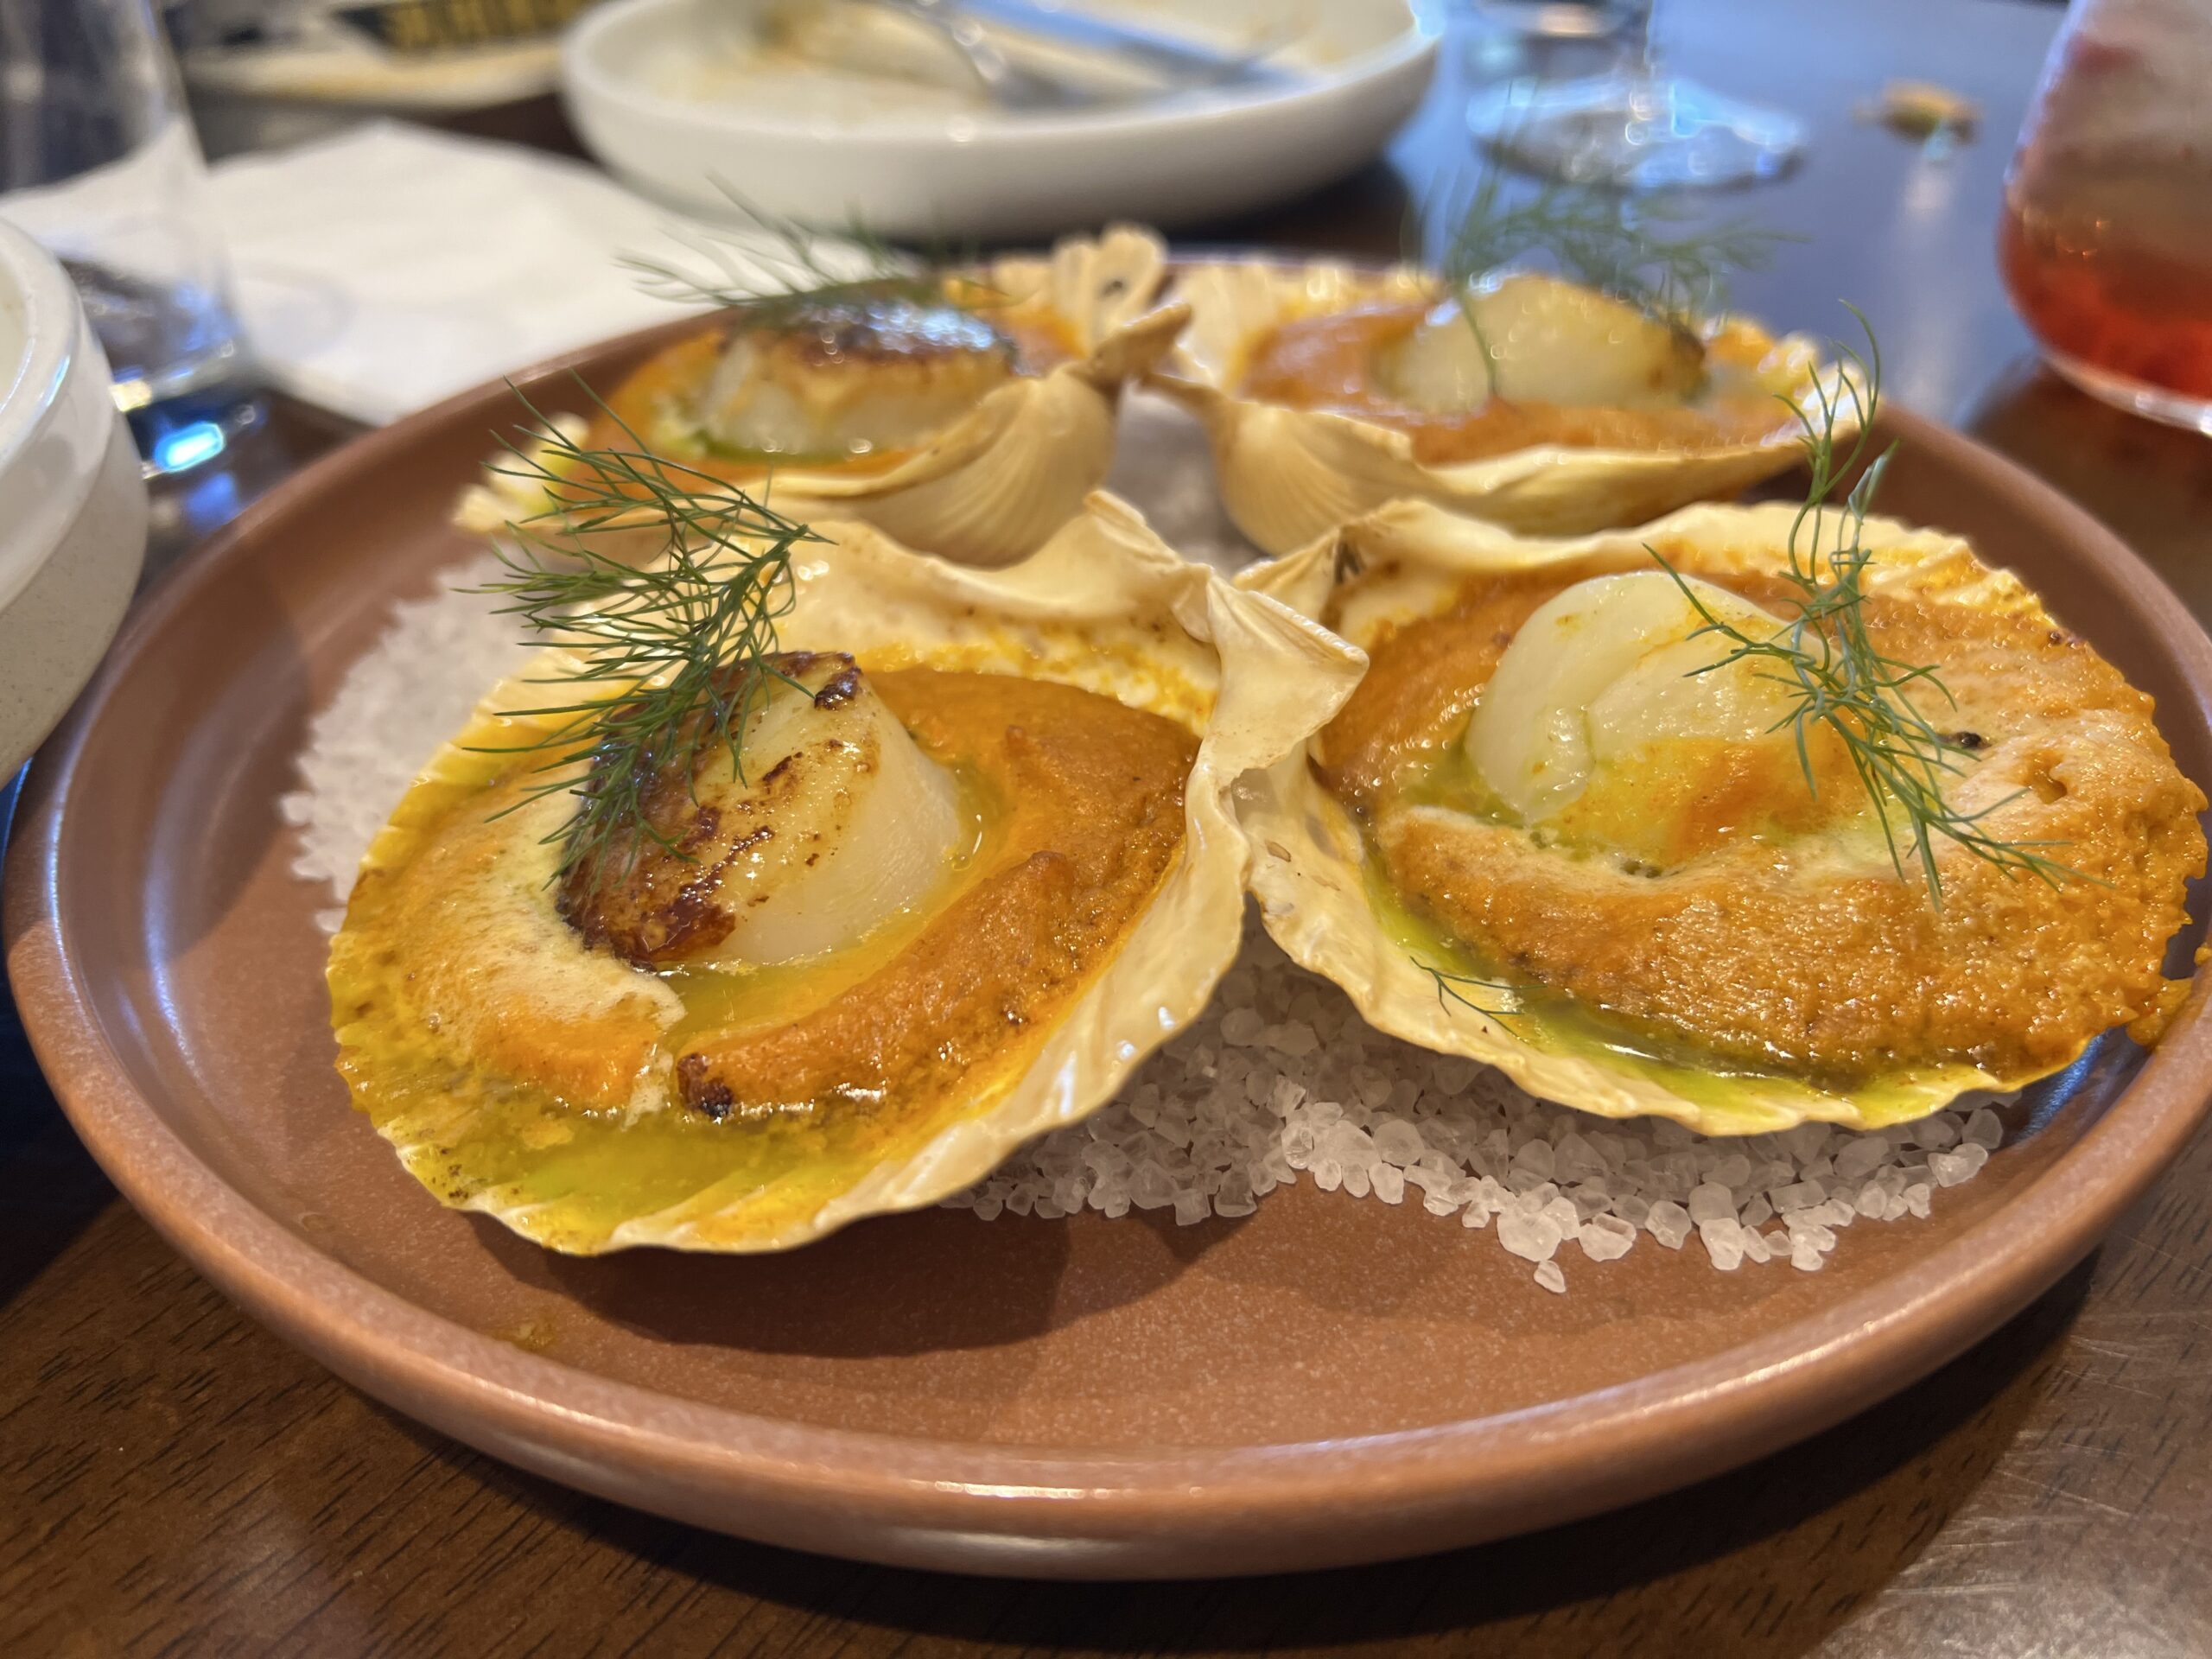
[(1053, 1510)]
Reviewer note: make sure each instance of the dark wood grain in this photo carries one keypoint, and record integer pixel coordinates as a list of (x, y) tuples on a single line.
[(174, 1480)]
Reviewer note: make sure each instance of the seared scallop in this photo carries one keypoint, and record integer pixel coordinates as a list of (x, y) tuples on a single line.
[(836, 822), (978, 861), (852, 379), (1537, 339), (1603, 789)]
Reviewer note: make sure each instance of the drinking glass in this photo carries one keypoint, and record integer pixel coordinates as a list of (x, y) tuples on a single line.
[(2106, 241), (98, 161), (1635, 127)]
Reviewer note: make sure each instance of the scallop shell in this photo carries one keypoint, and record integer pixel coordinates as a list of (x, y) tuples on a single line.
[(1312, 881), (1289, 475), (1104, 605), (989, 488)]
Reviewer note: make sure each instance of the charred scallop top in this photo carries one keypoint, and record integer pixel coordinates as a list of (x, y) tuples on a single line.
[(660, 899), (888, 331)]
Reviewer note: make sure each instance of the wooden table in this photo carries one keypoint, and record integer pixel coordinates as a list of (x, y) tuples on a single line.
[(174, 1480)]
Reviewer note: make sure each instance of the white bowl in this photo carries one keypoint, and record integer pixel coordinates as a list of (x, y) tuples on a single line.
[(990, 173), (72, 506)]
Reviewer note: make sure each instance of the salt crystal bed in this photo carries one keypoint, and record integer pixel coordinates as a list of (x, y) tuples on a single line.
[(1280, 1081)]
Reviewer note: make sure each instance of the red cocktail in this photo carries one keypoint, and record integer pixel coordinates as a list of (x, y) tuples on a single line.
[(2107, 241)]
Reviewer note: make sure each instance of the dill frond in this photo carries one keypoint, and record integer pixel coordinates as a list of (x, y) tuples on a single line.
[(785, 271), (1647, 252), (1448, 990), (1875, 704), (682, 644)]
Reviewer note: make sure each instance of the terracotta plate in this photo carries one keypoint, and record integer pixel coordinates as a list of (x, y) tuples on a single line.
[(1328, 1381)]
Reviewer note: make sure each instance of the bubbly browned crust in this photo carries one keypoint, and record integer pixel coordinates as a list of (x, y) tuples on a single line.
[(1092, 793), (1795, 952)]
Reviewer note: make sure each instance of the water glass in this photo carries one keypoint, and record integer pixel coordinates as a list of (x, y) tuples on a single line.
[(1639, 127), (98, 161)]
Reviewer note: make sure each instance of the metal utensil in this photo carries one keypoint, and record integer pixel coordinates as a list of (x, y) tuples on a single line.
[(1002, 80), (1180, 65), (1180, 62)]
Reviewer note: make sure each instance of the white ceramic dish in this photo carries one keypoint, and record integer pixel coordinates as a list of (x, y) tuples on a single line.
[(631, 72), (72, 507)]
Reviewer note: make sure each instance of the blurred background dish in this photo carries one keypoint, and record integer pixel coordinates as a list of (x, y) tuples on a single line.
[(263, 73), (860, 112), (72, 507)]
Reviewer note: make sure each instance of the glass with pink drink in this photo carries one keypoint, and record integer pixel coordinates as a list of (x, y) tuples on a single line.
[(2107, 240)]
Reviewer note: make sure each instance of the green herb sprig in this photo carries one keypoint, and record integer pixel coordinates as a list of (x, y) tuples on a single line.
[(800, 277), (1647, 252), (684, 641), (1838, 678), (1448, 990)]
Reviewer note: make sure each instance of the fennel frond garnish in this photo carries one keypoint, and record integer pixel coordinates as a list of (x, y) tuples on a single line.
[(682, 644), (1647, 252), (1840, 678), (786, 270), (1448, 990)]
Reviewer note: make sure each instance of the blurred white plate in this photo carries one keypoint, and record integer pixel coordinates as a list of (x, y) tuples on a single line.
[(73, 508), (323, 81), (660, 95)]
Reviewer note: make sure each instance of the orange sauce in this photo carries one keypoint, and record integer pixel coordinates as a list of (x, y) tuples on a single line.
[(1092, 795)]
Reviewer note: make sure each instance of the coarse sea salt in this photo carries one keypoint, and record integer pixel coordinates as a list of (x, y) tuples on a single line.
[(1229, 1107), (411, 690), (1280, 1078)]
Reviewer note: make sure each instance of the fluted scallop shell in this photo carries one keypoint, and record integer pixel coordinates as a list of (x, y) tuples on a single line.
[(1287, 474), (1105, 605), (989, 488), (1312, 881)]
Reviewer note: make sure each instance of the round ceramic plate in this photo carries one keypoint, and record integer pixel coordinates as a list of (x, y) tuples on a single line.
[(641, 83), (1326, 1381)]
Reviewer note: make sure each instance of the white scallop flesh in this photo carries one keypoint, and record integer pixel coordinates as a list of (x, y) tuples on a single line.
[(860, 825), (1554, 342), (1438, 366), (852, 379), (1610, 668)]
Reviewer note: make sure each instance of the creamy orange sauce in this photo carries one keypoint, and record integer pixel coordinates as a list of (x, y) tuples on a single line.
[(1326, 362), (1089, 815), (1756, 934)]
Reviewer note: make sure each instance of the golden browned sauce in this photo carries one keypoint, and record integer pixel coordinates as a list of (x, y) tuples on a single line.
[(1780, 947), (1091, 804), (1325, 362), (657, 401)]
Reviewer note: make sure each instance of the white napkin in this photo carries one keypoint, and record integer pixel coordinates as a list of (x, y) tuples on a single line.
[(381, 271)]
